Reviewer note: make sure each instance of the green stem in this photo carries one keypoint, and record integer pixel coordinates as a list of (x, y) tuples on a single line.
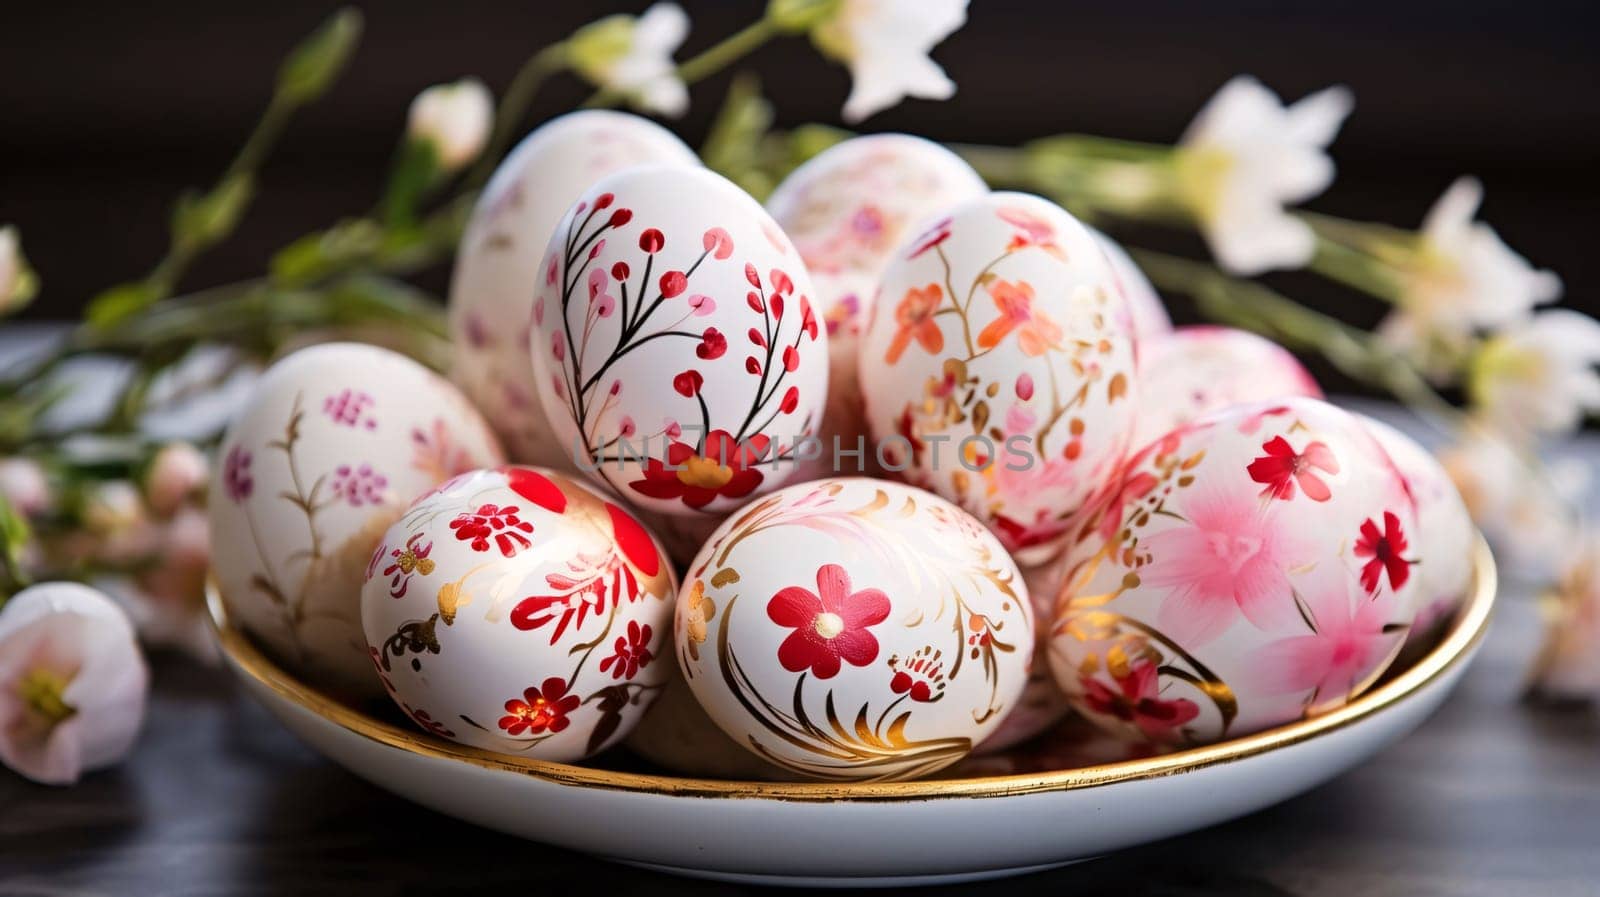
[(707, 63), (514, 106), (1355, 269), (1249, 305)]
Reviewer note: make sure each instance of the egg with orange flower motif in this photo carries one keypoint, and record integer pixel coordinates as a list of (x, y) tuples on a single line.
[(1193, 371), (848, 209), (515, 610), (491, 291), (854, 629), (1246, 570), (332, 444), (676, 343), (1002, 366)]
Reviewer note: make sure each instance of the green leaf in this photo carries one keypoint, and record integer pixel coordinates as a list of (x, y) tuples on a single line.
[(201, 220), (120, 302), (313, 65)]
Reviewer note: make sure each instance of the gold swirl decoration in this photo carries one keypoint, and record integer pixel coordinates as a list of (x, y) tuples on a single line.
[(1452, 651)]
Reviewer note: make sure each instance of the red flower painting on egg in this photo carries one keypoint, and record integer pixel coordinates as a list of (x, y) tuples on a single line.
[(830, 625), (1384, 550), (1282, 467), (502, 524), (1135, 697), (543, 708), (724, 468)]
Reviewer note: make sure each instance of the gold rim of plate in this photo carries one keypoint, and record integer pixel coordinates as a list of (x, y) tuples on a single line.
[(1452, 650)]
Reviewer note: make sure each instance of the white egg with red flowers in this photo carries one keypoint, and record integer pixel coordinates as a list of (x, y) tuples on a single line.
[(1193, 371), (1002, 366), (854, 629), (1244, 571), (515, 610), (330, 447), (492, 289), (1445, 534), (675, 341), (847, 210)]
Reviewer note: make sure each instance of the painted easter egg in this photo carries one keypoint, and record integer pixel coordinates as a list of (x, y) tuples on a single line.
[(677, 349), (1002, 367), (330, 447), (515, 610), (1041, 704), (1246, 570), (854, 629), (1445, 534), (1147, 314), (497, 267), (847, 210), (1196, 370)]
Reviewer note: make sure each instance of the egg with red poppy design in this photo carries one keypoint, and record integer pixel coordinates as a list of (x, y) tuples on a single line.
[(516, 610), (1246, 570), (848, 209), (1193, 371), (491, 291), (676, 342), (332, 444), (854, 629), (1445, 534), (1003, 366)]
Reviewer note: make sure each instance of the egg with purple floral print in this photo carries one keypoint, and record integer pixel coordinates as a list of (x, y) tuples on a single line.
[(1244, 571), (848, 209), (492, 289), (854, 629), (518, 611), (679, 355), (1193, 371), (1002, 366), (332, 444)]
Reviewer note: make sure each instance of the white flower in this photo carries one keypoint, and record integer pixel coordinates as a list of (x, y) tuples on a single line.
[(176, 472), (24, 485), (885, 44), (1538, 375), (455, 119), (1459, 277), (16, 281), (1246, 156), (633, 57), (72, 682), (1517, 501), (1569, 666)]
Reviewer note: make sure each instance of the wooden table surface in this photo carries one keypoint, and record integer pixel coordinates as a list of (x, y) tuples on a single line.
[(1490, 796)]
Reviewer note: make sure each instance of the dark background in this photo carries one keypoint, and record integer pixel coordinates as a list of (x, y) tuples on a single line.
[(108, 111)]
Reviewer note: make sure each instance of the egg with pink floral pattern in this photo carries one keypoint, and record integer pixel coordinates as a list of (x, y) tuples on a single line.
[(854, 629), (492, 290), (330, 447), (1194, 371), (847, 210), (1002, 365), (1445, 534), (1147, 315), (516, 610), (1244, 571), (675, 341)]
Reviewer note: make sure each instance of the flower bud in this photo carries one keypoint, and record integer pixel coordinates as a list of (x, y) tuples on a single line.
[(176, 472), (17, 283), (454, 119)]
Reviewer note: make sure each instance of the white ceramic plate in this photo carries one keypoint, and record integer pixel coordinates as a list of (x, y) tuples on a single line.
[(941, 830)]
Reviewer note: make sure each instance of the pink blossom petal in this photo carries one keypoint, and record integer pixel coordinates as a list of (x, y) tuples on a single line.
[(702, 304), (83, 637)]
